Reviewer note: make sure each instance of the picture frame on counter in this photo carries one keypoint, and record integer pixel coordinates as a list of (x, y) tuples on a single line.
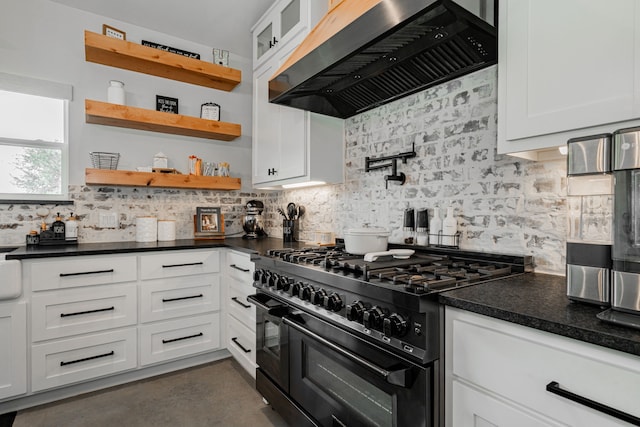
[(112, 32), (209, 222), (166, 104), (210, 111)]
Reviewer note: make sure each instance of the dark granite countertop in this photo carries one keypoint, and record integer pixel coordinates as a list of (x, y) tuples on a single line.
[(110, 248), (540, 301)]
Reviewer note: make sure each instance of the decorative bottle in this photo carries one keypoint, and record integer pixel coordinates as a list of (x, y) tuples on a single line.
[(115, 92), (71, 228), (435, 227), (449, 228)]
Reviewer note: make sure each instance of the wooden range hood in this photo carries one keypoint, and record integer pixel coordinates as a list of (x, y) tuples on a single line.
[(365, 53)]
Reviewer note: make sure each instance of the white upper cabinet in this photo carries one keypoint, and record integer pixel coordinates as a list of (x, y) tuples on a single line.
[(566, 69), (291, 146)]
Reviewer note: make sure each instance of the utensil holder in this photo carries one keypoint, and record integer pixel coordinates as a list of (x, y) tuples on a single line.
[(290, 230)]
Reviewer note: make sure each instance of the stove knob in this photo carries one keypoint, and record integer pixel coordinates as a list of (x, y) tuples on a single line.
[(333, 302), (372, 318), (282, 283), (294, 289), (394, 326), (264, 277), (355, 311), (317, 296), (257, 275), (305, 293), (272, 280)]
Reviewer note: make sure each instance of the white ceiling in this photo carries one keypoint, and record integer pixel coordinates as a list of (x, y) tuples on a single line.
[(210, 22)]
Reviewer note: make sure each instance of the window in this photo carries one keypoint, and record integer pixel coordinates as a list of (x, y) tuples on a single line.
[(33, 139)]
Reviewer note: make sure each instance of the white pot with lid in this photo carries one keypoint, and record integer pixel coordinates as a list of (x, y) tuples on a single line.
[(359, 241)]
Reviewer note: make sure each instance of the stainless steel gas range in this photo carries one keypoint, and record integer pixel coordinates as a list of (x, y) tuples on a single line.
[(346, 342)]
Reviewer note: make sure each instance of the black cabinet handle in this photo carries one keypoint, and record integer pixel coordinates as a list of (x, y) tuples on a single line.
[(182, 338), (78, 313), (554, 387), (86, 272), (111, 353), (236, 300), (235, 341), (182, 265), (244, 270), (181, 298)]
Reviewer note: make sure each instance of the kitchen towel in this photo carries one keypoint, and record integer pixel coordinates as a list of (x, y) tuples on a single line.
[(146, 229), (166, 230)]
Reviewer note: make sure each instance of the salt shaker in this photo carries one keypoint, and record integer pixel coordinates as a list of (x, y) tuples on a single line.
[(115, 92)]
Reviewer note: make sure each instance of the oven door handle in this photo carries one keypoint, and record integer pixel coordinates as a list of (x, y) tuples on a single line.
[(274, 311), (402, 377)]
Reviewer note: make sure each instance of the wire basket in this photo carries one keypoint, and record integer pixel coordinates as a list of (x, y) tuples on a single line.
[(102, 160)]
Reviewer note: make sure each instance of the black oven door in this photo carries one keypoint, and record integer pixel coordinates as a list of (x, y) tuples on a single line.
[(341, 380), (272, 351)]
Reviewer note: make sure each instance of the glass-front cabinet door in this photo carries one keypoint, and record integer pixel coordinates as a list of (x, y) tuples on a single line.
[(285, 20)]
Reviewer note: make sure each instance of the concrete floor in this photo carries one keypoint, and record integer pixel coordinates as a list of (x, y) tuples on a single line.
[(215, 394)]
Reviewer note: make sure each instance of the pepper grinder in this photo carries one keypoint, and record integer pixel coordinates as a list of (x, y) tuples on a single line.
[(408, 226), (422, 229)]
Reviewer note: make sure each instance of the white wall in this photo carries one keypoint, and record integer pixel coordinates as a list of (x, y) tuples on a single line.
[(45, 40)]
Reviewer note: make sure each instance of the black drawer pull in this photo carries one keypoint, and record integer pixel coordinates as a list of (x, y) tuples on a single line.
[(111, 353), (182, 338), (189, 264), (235, 299), (554, 387), (83, 273), (87, 312), (181, 298), (235, 341), (244, 270)]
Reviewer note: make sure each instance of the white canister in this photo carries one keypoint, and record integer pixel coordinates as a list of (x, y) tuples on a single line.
[(146, 229), (160, 160), (115, 92), (166, 230)]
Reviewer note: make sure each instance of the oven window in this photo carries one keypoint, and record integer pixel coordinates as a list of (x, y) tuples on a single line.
[(358, 395), (272, 337)]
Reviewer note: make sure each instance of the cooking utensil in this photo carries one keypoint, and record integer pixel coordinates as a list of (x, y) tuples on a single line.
[(396, 253), (292, 211), (282, 212), (301, 211)]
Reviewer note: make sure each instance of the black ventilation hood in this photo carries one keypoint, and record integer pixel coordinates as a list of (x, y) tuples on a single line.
[(396, 48)]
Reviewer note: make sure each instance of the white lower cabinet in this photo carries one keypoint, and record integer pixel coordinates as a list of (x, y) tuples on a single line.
[(13, 349), (497, 372), (83, 358), (164, 341), (241, 315)]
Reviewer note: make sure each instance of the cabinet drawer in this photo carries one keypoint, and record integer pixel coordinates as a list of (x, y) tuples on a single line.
[(69, 272), (240, 267), (242, 345), (180, 263), (517, 363), (239, 306), (68, 312), (179, 338), (180, 296), (84, 358)]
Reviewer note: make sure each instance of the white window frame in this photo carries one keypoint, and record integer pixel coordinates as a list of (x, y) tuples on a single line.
[(64, 92)]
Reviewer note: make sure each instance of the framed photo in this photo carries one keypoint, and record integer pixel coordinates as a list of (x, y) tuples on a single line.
[(113, 32), (221, 57), (209, 221), (166, 104), (210, 111)]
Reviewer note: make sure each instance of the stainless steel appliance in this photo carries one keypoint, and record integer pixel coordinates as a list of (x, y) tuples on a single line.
[(625, 303), (589, 219), (252, 222), (346, 342)]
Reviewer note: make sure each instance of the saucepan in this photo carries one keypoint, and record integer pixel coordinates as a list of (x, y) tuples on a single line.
[(359, 241)]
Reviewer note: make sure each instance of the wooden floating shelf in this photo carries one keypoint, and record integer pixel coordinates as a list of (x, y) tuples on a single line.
[(143, 59), (104, 113), (151, 179)]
